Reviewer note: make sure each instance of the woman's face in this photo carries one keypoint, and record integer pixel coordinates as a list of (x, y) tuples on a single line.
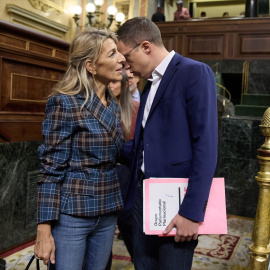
[(109, 66), (115, 87)]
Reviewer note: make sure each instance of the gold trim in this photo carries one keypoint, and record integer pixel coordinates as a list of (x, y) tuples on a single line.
[(130, 8), (244, 80), (146, 8), (29, 100), (229, 99), (47, 6)]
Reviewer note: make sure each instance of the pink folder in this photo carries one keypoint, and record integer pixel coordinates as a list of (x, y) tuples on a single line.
[(162, 197)]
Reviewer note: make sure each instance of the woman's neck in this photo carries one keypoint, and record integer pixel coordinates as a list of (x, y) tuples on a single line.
[(100, 90), (118, 100)]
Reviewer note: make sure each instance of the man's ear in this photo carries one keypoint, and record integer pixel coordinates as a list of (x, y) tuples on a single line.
[(90, 66), (146, 47)]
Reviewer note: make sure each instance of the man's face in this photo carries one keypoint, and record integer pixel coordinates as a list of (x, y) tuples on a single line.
[(137, 61), (132, 81), (179, 7)]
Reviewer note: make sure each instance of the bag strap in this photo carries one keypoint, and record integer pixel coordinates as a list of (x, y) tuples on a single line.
[(30, 262), (37, 263)]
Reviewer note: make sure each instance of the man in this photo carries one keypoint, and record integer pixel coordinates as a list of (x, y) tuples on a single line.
[(181, 13), (159, 15), (175, 137), (133, 83), (203, 14)]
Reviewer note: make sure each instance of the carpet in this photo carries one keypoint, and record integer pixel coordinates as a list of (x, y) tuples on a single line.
[(230, 251)]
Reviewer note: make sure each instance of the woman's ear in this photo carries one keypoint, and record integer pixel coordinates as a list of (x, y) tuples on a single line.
[(90, 67)]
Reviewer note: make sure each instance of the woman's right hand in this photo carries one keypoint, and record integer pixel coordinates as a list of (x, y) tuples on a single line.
[(45, 247)]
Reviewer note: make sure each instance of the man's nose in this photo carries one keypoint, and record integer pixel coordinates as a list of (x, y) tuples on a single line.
[(127, 65)]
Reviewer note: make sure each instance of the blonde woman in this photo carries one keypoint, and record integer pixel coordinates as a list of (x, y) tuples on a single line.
[(79, 193)]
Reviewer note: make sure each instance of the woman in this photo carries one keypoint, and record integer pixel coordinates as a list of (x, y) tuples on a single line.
[(129, 111), (129, 108), (79, 193)]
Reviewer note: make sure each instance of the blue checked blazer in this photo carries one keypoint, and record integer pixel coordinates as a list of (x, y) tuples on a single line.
[(78, 158)]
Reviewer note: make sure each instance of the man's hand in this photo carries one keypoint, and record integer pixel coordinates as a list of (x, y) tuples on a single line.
[(186, 229)]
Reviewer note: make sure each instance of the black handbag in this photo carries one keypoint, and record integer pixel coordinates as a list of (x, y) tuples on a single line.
[(30, 262)]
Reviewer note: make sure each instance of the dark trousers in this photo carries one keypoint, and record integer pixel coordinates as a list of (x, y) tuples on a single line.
[(158, 253), (124, 221)]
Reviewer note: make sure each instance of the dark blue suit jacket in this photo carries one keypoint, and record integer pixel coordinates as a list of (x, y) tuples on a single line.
[(180, 137)]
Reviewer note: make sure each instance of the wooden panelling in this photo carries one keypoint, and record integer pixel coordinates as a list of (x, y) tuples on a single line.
[(17, 131), (61, 54), (220, 38), (38, 48), (30, 65), (205, 45), (25, 86), (254, 44), (170, 42)]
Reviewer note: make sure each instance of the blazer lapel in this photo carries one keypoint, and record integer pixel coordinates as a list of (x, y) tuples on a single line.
[(141, 112), (107, 117), (166, 78)]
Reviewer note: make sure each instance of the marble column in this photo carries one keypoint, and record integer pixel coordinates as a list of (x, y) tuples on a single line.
[(251, 8)]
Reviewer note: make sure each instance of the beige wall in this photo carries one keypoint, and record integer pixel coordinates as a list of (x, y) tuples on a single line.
[(213, 8), (217, 11), (64, 18)]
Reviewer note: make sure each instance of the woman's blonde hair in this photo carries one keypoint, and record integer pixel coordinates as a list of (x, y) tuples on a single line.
[(86, 46), (126, 105)]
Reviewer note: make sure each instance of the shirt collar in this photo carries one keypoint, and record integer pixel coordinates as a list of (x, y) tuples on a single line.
[(161, 68)]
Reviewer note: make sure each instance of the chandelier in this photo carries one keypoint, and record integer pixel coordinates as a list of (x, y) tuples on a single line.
[(94, 10)]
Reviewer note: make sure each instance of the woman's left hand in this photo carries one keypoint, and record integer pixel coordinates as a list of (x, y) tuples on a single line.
[(45, 246)]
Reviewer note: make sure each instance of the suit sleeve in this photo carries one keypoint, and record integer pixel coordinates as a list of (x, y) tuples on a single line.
[(54, 154), (201, 107)]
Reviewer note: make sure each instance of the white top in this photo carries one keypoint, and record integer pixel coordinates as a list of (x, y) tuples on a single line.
[(136, 96), (156, 79)]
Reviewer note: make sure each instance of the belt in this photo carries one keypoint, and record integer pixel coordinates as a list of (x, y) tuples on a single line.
[(141, 178)]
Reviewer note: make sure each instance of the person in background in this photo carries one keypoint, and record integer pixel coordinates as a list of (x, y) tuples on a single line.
[(225, 15), (203, 14), (181, 13), (176, 136), (79, 193), (129, 111), (159, 15), (133, 81)]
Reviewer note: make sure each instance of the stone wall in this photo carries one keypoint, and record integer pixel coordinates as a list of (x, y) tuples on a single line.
[(19, 166), (239, 139)]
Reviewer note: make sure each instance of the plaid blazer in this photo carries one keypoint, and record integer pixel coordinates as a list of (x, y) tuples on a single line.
[(78, 158)]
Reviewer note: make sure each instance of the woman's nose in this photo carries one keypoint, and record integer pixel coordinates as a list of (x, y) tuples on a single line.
[(122, 59)]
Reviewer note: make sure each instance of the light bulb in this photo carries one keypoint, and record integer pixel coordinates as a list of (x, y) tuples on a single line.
[(119, 17), (77, 10), (112, 10), (90, 7), (98, 2)]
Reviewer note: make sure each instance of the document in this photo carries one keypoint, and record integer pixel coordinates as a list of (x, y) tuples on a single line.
[(163, 197)]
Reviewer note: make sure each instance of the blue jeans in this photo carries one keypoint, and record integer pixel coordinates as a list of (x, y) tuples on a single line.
[(83, 242), (158, 253)]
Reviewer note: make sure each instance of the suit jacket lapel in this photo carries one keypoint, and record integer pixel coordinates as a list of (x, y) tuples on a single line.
[(141, 112), (162, 87), (107, 117)]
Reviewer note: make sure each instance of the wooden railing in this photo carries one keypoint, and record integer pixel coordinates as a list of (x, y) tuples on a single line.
[(219, 38)]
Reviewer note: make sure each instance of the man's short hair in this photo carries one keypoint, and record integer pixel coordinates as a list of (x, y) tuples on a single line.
[(179, 3), (136, 30)]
